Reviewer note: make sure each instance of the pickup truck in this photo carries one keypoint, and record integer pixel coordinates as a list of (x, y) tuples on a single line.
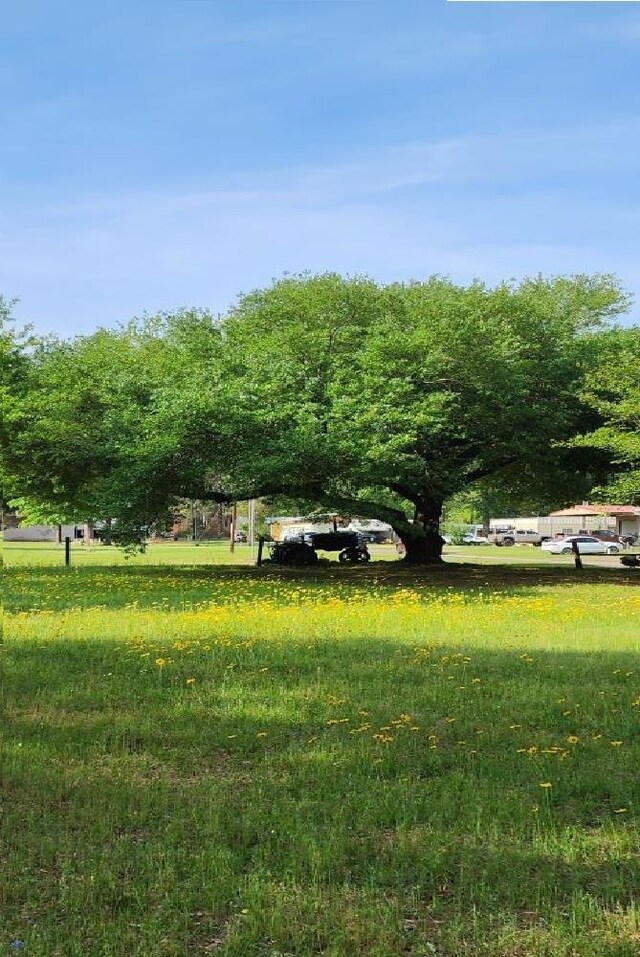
[(516, 536)]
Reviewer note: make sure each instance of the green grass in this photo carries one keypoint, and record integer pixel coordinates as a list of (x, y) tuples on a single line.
[(259, 763), (166, 553), (218, 553)]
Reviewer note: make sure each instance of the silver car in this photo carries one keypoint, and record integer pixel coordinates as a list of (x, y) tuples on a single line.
[(587, 545)]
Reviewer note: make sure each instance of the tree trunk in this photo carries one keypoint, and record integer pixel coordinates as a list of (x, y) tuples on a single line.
[(423, 549), (422, 539)]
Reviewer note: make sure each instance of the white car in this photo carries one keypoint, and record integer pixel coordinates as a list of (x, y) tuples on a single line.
[(471, 539), (587, 545)]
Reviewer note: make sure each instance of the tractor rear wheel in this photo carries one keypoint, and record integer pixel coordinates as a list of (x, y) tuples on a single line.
[(294, 553)]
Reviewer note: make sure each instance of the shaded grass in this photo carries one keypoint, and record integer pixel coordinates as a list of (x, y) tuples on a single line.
[(184, 586), (249, 763)]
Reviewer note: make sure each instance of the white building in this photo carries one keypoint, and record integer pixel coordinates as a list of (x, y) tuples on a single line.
[(44, 533), (617, 519)]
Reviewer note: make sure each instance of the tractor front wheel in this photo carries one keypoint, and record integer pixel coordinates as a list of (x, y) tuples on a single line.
[(354, 556)]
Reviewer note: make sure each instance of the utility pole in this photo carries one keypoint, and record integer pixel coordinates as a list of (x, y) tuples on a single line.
[(252, 523), (232, 529)]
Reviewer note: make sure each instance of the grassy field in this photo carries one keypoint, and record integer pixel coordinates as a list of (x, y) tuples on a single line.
[(218, 553), (355, 761), (166, 553)]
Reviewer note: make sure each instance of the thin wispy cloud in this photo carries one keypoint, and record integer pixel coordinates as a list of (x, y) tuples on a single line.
[(394, 214), (529, 158), (621, 30)]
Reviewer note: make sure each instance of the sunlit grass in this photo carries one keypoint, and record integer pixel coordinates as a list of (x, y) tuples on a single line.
[(354, 761), (219, 553), (165, 553)]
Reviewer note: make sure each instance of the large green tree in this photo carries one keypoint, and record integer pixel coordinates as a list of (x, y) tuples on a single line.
[(15, 344), (369, 398), (85, 434), (375, 400)]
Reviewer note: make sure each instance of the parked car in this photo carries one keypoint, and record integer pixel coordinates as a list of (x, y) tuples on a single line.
[(369, 537), (471, 539), (516, 536), (615, 538), (587, 545)]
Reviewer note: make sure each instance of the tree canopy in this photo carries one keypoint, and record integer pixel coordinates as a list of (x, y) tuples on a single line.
[(86, 437), (613, 390), (366, 398), (377, 400)]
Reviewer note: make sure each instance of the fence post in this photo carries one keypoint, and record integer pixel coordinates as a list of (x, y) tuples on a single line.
[(260, 544), (67, 551), (576, 554)]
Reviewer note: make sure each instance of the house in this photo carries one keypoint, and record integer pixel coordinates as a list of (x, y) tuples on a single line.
[(623, 519), (46, 533), (587, 517)]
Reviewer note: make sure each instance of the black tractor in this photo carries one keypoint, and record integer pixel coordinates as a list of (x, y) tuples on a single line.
[(303, 549), (631, 561), (292, 552)]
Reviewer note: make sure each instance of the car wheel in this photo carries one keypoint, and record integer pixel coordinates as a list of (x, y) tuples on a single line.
[(612, 550), (566, 551), (508, 541)]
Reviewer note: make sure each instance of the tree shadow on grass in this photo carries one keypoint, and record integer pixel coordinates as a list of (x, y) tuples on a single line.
[(271, 776), (178, 587), (468, 701)]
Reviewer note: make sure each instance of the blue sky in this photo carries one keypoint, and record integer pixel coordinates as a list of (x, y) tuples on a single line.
[(163, 154)]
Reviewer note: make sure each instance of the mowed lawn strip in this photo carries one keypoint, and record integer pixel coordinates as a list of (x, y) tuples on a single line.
[(350, 761)]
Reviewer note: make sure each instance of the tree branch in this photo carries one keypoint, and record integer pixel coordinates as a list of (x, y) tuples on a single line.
[(481, 473)]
